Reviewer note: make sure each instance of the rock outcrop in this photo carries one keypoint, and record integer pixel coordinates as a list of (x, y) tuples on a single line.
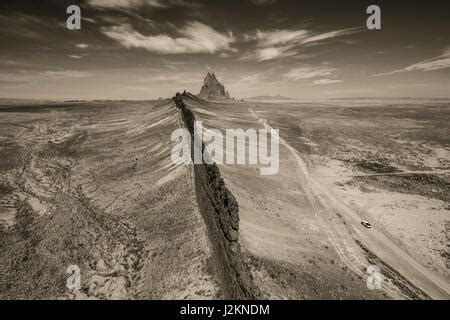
[(212, 89), (221, 213)]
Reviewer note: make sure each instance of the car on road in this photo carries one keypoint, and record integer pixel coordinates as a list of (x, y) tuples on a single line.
[(366, 224)]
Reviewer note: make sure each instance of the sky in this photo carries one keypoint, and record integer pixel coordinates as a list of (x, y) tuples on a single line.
[(146, 49)]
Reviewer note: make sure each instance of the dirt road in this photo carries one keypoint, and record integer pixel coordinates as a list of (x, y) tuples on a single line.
[(326, 204)]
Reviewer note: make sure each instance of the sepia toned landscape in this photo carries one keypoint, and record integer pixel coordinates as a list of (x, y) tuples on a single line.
[(343, 162), (92, 183), (94, 207)]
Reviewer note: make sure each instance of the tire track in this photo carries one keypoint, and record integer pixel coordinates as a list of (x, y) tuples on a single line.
[(374, 239)]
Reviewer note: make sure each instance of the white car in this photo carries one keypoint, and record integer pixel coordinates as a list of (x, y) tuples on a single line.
[(366, 224)]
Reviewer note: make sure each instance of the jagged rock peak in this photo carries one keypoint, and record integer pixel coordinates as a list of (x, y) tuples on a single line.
[(212, 89)]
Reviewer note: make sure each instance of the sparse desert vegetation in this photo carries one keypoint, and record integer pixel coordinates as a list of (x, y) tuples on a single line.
[(384, 161), (91, 184)]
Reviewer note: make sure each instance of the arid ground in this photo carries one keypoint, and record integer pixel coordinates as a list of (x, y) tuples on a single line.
[(342, 162), (92, 184)]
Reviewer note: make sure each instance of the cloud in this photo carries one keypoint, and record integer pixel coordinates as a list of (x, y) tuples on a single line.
[(280, 37), (63, 74), (262, 2), (75, 56), (81, 45), (195, 37), (308, 73), (252, 79), (263, 54), (23, 25), (27, 76), (277, 44), (138, 3), (327, 81), (331, 34), (183, 78), (436, 63), (124, 3), (284, 43)]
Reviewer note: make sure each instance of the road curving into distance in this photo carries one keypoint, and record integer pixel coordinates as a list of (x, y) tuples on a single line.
[(323, 201)]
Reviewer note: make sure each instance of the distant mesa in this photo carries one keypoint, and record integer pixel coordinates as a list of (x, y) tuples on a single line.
[(212, 89), (268, 98)]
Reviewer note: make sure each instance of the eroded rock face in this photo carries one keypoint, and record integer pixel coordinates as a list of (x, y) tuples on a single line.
[(212, 89), (220, 211)]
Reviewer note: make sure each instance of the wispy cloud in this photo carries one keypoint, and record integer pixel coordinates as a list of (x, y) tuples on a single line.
[(63, 74), (436, 63), (263, 2), (308, 73), (285, 43), (27, 76), (196, 38), (271, 53), (332, 34), (23, 25), (280, 37), (125, 3), (327, 81), (252, 79), (180, 77)]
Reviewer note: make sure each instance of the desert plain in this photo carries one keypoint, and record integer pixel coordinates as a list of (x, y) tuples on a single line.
[(91, 183)]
